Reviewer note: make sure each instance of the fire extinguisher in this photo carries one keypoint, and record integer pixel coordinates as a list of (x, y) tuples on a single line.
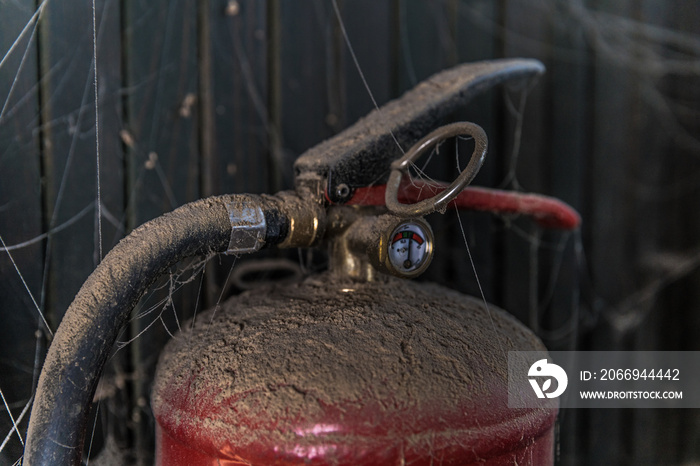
[(356, 365)]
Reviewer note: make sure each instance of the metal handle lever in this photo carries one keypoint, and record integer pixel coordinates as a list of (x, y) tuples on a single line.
[(362, 154)]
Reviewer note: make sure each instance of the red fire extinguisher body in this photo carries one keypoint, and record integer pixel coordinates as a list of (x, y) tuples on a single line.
[(333, 371)]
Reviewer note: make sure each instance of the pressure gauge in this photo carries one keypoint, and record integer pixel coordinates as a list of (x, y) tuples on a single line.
[(410, 248)]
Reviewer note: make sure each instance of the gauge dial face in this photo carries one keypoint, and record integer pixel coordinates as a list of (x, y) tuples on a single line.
[(410, 247)]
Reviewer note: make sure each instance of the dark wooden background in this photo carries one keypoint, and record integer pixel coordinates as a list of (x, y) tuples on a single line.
[(198, 98)]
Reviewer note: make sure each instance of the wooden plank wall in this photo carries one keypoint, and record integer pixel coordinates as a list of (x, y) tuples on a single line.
[(198, 98), (21, 213)]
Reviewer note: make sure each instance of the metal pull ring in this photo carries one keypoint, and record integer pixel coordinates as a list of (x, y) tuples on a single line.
[(438, 202)]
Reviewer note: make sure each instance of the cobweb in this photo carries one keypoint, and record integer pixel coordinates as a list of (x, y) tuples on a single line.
[(68, 127)]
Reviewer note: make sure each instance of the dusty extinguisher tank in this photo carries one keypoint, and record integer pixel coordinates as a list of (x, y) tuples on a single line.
[(357, 365), (335, 371)]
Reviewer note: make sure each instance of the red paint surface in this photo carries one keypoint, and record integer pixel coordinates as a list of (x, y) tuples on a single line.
[(546, 211), (483, 433), (538, 453)]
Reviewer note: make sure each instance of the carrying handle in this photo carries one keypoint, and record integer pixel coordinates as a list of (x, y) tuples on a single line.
[(362, 155)]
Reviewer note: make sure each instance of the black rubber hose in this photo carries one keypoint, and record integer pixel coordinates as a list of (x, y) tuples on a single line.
[(88, 331)]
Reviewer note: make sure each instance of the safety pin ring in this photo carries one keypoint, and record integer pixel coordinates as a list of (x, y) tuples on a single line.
[(438, 202)]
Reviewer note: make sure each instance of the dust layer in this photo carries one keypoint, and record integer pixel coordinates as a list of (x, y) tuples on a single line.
[(328, 351)]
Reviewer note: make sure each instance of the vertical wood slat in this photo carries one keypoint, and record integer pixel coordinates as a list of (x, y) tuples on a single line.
[(68, 129), (643, 167), (68, 143), (611, 244), (161, 121), (526, 33), (687, 425), (568, 151), (109, 83), (666, 226), (20, 216), (161, 106), (424, 41), (112, 172), (476, 38), (426, 45), (369, 28), (238, 110), (306, 51), (235, 133)]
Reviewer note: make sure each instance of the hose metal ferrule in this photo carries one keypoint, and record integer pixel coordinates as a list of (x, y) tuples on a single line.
[(248, 225)]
